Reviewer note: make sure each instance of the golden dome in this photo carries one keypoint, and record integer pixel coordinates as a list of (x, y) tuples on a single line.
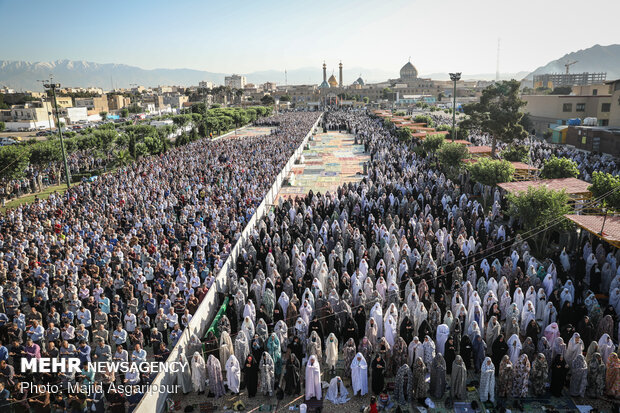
[(332, 81)]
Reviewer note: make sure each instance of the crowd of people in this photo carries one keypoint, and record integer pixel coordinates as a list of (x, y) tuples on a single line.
[(117, 266), (404, 279)]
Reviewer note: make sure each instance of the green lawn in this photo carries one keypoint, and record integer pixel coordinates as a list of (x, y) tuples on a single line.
[(30, 197)]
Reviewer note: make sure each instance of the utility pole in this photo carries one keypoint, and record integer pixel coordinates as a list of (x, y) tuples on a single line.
[(53, 87), (454, 77)]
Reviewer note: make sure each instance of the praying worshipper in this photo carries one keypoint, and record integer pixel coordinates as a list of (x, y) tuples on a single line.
[(596, 377), (420, 386), (378, 368), (458, 379), (487, 381), (337, 392), (438, 376), (267, 374), (505, 377), (359, 375), (331, 352), (184, 375), (403, 385), (559, 371), (250, 375), (313, 379), (214, 373), (199, 373), (578, 376), (233, 374), (290, 380), (612, 376), (538, 374)]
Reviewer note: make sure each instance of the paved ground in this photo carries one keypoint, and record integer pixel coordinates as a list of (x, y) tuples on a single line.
[(331, 160)]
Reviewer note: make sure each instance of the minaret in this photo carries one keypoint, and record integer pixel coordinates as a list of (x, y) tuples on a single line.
[(324, 72), (340, 74)]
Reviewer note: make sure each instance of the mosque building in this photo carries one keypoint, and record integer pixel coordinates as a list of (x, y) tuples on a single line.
[(333, 90)]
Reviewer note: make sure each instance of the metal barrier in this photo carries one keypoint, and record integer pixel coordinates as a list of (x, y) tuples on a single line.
[(155, 401)]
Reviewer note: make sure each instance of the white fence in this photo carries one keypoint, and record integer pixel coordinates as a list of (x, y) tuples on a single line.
[(155, 401)]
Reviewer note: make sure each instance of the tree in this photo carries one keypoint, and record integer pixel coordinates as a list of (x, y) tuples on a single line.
[(404, 134), (516, 153), (526, 122), (123, 158), (105, 138), (141, 150), (451, 156), (103, 114), (134, 108), (366, 99), (285, 98), (13, 161), (2, 126), (267, 100), (448, 128), (559, 168), (124, 112), (490, 172), (542, 209), (607, 187), (432, 143), (498, 113), (399, 113), (424, 119), (386, 93), (387, 123)]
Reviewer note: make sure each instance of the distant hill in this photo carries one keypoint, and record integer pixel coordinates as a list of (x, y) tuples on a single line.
[(22, 75), (594, 59)]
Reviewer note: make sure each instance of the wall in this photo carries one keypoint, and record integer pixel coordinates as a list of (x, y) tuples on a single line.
[(155, 402)]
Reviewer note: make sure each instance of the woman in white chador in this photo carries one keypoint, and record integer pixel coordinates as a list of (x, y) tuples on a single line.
[(514, 348), (331, 352), (313, 379), (337, 392), (233, 374), (199, 373), (359, 375)]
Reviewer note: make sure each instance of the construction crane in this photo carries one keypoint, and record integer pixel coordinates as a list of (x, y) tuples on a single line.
[(567, 65)]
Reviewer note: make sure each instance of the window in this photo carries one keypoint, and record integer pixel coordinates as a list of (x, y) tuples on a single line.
[(567, 107), (604, 122), (594, 92), (581, 107), (605, 107)]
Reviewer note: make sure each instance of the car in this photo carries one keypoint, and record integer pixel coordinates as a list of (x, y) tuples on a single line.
[(42, 133), (6, 141)]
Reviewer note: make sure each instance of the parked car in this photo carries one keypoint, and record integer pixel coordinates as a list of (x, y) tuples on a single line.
[(42, 133), (6, 141)]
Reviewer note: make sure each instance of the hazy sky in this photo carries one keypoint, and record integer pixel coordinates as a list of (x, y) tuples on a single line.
[(245, 36)]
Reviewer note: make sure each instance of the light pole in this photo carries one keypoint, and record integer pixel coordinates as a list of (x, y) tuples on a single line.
[(49, 120), (604, 220), (53, 87), (455, 77)]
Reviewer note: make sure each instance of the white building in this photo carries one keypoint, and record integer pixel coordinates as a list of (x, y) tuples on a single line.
[(235, 81), (75, 115), (205, 85)]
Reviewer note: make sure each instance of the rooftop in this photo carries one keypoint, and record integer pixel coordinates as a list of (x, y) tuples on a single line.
[(594, 224), (572, 186)]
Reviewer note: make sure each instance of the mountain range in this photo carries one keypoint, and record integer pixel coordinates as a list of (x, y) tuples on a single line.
[(21, 75), (593, 59)]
